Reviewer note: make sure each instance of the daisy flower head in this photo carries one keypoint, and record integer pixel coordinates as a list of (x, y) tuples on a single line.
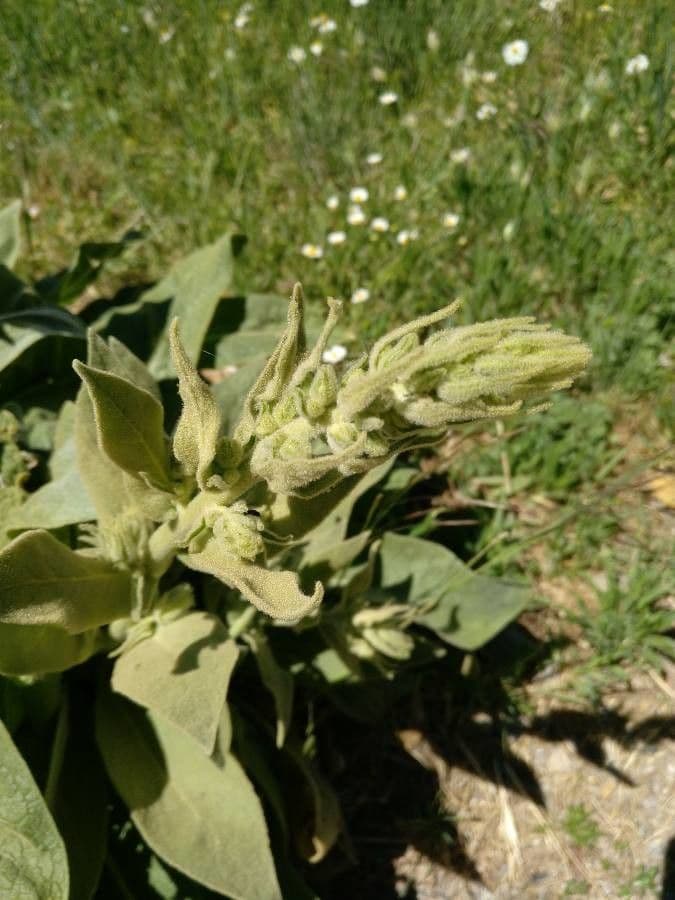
[(388, 98), (380, 224), (355, 215), (374, 159), (461, 155), (327, 26), (241, 20), (433, 40), (488, 77), (486, 111), (316, 48), (334, 354), (333, 201), (297, 55), (358, 195), (405, 235), (312, 251), (400, 192), (355, 4), (450, 220), (360, 295), (637, 64), (336, 237), (515, 52), (549, 5)]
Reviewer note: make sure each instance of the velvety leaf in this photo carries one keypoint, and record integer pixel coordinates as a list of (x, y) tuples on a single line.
[(78, 798), (43, 582), (182, 672), (10, 233), (278, 681), (33, 863), (194, 285), (45, 320), (11, 500), (91, 257), (317, 833), (62, 501), (111, 489), (277, 594), (39, 649), (114, 357), (203, 819), (196, 435), (129, 422), (468, 609)]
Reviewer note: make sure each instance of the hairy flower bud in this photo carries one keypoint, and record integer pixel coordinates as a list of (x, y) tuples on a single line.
[(322, 392)]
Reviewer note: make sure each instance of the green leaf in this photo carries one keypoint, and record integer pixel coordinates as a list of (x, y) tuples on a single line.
[(43, 582), (182, 672), (116, 358), (63, 501), (129, 422), (11, 500), (78, 799), (317, 832), (467, 609), (33, 863), (39, 649), (195, 286), (87, 266), (196, 435), (10, 233), (203, 819), (277, 594), (111, 489), (278, 681)]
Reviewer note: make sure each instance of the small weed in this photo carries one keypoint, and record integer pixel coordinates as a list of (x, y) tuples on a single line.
[(642, 884), (580, 826), (576, 888)]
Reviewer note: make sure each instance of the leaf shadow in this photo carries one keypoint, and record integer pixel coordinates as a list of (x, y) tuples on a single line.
[(188, 659)]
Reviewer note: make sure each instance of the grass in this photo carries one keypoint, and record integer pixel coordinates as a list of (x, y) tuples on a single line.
[(170, 115)]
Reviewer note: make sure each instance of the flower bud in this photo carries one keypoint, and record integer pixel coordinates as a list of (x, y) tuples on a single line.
[(322, 392)]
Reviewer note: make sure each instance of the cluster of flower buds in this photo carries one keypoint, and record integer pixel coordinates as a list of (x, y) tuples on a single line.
[(308, 427)]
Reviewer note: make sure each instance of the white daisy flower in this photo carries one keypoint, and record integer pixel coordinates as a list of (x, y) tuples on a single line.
[(374, 159), (360, 295), (334, 354), (333, 201), (355, 215), (548, 5), (433, 40), (388, 98), (379, 223), (33, 210), (297, 55), (400, 192), (316, 48), (166, 34), (515, 52), (637, 64), (486, 111), (327, 26), (450, 220), (403, 237), (461, 155), (488, 77), (336, 237), (312, 251), (358, 195), (509, 230), (241, 20), (605, 8), (357, 3)]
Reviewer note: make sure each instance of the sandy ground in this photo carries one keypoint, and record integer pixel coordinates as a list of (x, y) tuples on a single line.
[(511, 821)]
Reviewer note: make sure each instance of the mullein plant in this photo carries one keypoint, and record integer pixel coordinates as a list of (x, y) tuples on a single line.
[(253, 507)]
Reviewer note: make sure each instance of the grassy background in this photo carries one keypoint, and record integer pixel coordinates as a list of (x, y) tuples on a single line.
[(171, 117)]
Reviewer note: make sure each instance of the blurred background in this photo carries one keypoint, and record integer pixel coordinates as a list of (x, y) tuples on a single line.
[(401, 154)]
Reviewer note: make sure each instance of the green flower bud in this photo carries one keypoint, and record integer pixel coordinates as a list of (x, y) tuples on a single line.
[(238, 530), (322, 392), (341, 435)]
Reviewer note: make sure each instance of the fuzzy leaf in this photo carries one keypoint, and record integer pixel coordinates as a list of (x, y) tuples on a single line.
[(33, 864), (116, 358), (195, 286), (62, 501), (203, 819), (196, 435), (129, 422), (277, 594), (468, 609), (43, 582), (10, 233), (316, 834), (39, 649), (182, 672), (278, 681)]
